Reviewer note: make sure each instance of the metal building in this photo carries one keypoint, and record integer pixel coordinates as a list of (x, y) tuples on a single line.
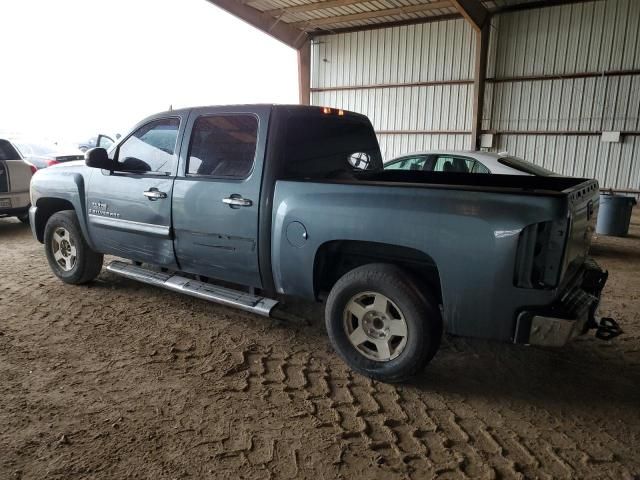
[(539, 79)]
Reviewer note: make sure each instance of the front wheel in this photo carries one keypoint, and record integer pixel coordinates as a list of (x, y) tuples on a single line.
[(68, 253), (381, 324)]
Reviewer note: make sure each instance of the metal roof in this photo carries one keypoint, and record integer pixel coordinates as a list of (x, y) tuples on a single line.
[(329, 16), (294, 22)]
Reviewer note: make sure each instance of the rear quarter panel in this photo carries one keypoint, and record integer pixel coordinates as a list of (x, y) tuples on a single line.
[(472, 237)]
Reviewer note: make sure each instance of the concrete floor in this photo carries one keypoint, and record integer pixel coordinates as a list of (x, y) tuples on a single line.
[(117, 379)]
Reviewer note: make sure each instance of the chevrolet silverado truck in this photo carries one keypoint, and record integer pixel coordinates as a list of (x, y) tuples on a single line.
[(246, 205)]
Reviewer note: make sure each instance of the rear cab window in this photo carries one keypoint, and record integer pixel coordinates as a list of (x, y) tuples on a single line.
[(321, 145)]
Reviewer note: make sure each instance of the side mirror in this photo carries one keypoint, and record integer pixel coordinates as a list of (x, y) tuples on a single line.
[(98, 158)]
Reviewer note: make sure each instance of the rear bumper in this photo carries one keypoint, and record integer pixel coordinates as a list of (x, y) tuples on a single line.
[(570, 315), (18, 201)]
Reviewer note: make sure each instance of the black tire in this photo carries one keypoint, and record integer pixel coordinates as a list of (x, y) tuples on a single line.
[(419, 309), (87, 263), (24, 218)]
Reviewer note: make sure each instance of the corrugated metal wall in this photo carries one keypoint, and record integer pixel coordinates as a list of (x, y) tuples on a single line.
[(416, 78), (557, 122), (558, 76)]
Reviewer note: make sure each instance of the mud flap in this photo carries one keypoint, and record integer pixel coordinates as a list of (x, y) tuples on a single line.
[(608, 329)]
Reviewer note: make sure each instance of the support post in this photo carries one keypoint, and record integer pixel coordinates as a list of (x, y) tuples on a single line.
[(480, 74), (304, 73)]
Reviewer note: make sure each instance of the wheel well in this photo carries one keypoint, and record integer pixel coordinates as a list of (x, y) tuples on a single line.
[(46, 208), (334, 259)]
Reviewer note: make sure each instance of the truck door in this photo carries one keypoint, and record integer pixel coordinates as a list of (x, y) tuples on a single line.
[(216, 196), (129, 210)]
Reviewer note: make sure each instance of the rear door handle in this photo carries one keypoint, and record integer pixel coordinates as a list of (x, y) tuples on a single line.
[(154, 194), (237, 201)]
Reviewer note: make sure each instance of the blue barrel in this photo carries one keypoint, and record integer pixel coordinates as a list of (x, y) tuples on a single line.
[(614, 215)]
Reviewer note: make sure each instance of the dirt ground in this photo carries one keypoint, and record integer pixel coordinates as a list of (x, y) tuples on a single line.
[(120, 380)]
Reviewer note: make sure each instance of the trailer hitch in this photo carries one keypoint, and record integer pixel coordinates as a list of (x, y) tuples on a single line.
[(608, 329)]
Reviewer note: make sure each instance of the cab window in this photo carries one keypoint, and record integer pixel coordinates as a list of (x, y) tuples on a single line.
[(223, 146), (7, 152), (151, 148)]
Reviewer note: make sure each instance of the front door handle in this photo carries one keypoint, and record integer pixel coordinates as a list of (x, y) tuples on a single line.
[(237, 201), (154, 194)]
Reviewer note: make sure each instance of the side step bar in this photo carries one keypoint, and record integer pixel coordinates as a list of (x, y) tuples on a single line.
[(225, 296)]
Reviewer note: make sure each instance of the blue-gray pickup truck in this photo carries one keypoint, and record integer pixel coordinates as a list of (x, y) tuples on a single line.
[(292, 200)]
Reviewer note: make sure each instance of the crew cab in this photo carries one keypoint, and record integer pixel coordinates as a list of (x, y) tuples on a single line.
[(293, 200), (15, 175)]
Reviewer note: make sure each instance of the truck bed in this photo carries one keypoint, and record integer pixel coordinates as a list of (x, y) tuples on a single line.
[(482, 232)]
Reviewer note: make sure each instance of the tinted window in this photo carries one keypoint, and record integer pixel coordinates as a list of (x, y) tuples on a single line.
[(407, 163), (448, 163), (320, 145), (223, 146), (479, 168), (7, 152), (524, 166), (151, 148)]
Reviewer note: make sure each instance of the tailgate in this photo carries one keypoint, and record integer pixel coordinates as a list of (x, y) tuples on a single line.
[(583, 209)]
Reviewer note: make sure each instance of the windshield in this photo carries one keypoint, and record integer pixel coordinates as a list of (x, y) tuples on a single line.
[(524, 166)]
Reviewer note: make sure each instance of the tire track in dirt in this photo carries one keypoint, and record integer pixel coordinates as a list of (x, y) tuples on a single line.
[(118, 379)]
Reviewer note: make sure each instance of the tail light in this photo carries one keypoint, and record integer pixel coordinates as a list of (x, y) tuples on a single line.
[(52, 162), (32, 167), (539, 255)]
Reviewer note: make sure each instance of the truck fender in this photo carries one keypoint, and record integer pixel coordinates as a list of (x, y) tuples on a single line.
[(65, 192)]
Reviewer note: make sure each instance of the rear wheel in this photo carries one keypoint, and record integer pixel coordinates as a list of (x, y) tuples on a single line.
[(69, 255), (381, 324)]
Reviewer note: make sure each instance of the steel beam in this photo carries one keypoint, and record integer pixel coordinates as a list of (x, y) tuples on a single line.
[(387, 12), (473, 11), (287, 34)]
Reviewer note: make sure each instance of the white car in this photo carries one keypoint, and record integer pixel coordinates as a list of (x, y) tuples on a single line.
[(15, 178), (466, 162), (42, 154)]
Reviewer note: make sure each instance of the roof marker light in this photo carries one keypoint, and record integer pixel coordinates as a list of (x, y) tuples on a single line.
[(326, 110)]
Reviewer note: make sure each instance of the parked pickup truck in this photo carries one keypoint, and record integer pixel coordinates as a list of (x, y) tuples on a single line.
[(293, 200), (15, 175)]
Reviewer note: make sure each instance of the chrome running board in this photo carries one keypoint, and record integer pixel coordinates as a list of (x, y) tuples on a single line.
[(213, 293)]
